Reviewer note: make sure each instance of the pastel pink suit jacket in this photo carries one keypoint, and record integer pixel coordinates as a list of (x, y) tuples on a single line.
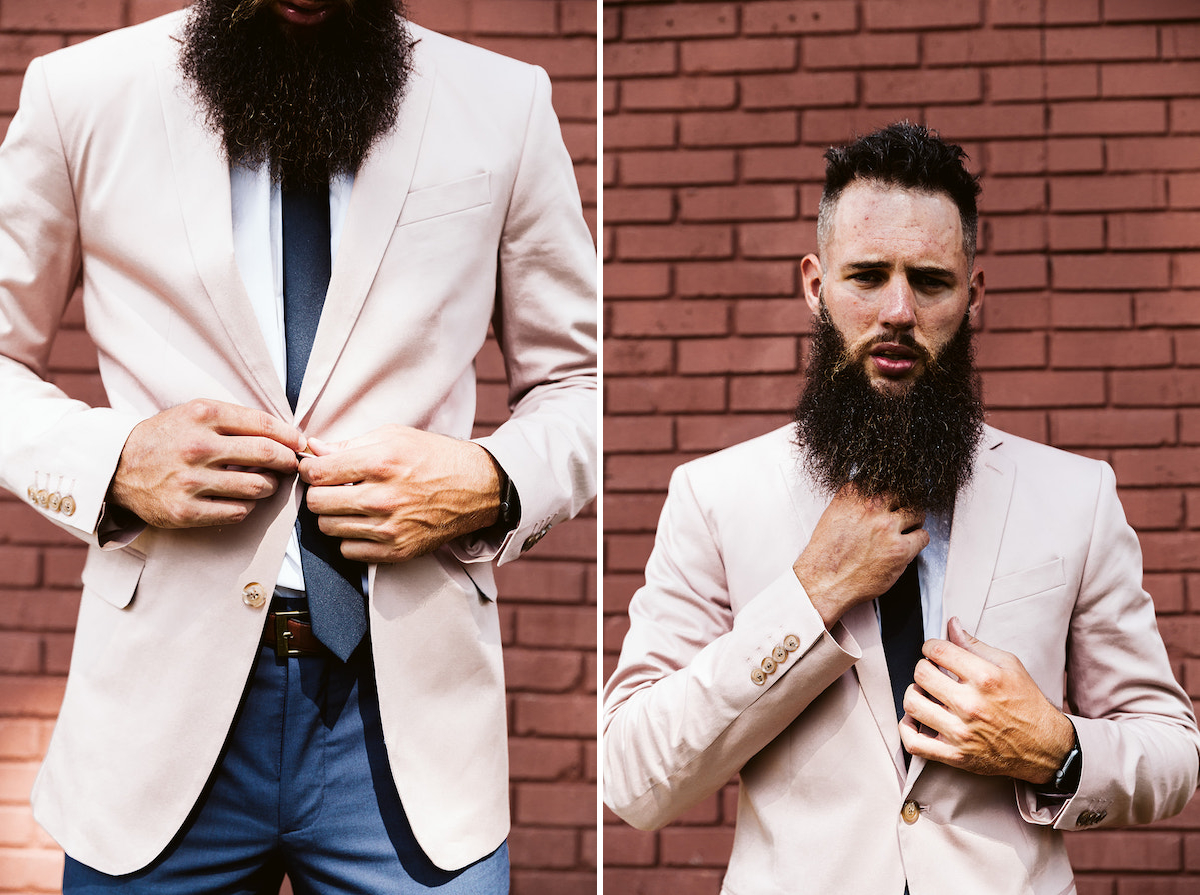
[(467, 213), (1041, 563)]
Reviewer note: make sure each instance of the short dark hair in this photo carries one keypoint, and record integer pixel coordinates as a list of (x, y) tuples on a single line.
[(902, 155)]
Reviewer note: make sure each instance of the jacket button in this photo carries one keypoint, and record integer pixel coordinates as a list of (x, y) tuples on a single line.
[(779, 654), (67, 505), (791, 643), (910, 812), (254, 595), (758, 676), (768, 665), (532, 540)]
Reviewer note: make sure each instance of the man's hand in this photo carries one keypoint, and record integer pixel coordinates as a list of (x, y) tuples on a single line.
[(993, 720), (202, 463), (412, 491), (857, 551)]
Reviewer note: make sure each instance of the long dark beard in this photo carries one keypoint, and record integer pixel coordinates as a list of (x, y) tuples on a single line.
[(310, 107), (917, 447)]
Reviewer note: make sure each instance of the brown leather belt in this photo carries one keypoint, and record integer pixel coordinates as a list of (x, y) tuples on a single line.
[(290, 633)]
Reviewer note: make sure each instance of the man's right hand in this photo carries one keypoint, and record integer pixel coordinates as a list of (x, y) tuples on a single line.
[(203, 463), (857, 551)]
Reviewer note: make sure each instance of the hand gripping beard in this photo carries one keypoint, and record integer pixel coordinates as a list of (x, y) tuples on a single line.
[(309, 104), (916, 447)]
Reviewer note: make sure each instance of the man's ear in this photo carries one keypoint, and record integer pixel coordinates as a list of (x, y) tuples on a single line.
[(811, 275), (975, 294)]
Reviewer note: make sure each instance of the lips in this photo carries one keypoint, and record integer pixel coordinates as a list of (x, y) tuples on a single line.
[(304, 13), (893, 359)]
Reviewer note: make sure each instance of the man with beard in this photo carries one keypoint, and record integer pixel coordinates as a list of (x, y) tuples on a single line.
[(293, 222), (876, 615)]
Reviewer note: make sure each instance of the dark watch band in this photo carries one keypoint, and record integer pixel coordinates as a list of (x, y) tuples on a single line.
[(1066, 779), (510, 504)]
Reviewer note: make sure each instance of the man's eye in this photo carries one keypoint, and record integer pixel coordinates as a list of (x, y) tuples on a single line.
[(865, 276), (931, 284)]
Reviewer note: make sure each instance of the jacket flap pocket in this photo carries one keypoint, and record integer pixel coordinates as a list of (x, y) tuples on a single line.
[(472, 577), (445, 198), (113, 575)]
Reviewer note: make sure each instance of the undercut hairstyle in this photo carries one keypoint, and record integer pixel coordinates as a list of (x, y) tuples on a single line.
[(904, 155)]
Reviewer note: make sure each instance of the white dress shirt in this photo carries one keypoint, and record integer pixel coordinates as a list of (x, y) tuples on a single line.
[(258, 246), (931, 573)]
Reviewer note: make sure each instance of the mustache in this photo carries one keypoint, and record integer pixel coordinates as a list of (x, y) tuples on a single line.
[(903, 338), (247, 9)]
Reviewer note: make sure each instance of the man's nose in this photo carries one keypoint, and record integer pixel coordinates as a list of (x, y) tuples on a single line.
[(899, 305)]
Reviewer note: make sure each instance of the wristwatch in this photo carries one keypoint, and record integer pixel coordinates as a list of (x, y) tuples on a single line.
[(1066, 779), (510, 504)]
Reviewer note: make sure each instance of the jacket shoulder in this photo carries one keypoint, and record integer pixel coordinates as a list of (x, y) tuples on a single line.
[(749, 476), (457, 59), (1030, 455), (116, 55), (1042, 473)]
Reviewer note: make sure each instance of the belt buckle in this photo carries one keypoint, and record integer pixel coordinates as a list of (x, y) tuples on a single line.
[(283, 636)]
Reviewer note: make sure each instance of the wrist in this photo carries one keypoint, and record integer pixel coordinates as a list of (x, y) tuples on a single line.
[(1067, 763), (503, 510)]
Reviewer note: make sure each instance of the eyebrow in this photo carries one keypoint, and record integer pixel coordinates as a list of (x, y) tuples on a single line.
[(930, 270)]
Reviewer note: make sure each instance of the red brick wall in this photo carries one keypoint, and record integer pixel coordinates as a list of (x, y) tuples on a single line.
[(548, 604), (1084, 118)]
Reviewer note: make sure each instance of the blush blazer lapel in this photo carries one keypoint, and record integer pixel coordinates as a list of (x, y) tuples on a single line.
[(203, 191), (980, 514), (380, 189)]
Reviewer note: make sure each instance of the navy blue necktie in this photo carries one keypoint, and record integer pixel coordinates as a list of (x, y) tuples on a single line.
[(903, 628), (332, 582)]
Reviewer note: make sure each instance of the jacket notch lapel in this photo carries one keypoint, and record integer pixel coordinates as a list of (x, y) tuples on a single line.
[(980, 515), (863, 625), (380, 188), (203, 190)]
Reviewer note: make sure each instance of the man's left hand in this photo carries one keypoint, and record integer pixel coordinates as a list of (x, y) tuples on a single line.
[(397, 492), (992, 720)]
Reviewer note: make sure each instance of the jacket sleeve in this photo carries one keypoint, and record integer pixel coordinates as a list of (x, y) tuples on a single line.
[(1136, 726), (546, 323), (690, 702), (51, 447)]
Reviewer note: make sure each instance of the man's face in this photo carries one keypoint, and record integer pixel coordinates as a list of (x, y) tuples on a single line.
[(894, 279)]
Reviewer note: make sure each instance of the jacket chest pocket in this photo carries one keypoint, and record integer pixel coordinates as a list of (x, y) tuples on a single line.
[(1026, 583), (446, 199), (1028, 613)]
